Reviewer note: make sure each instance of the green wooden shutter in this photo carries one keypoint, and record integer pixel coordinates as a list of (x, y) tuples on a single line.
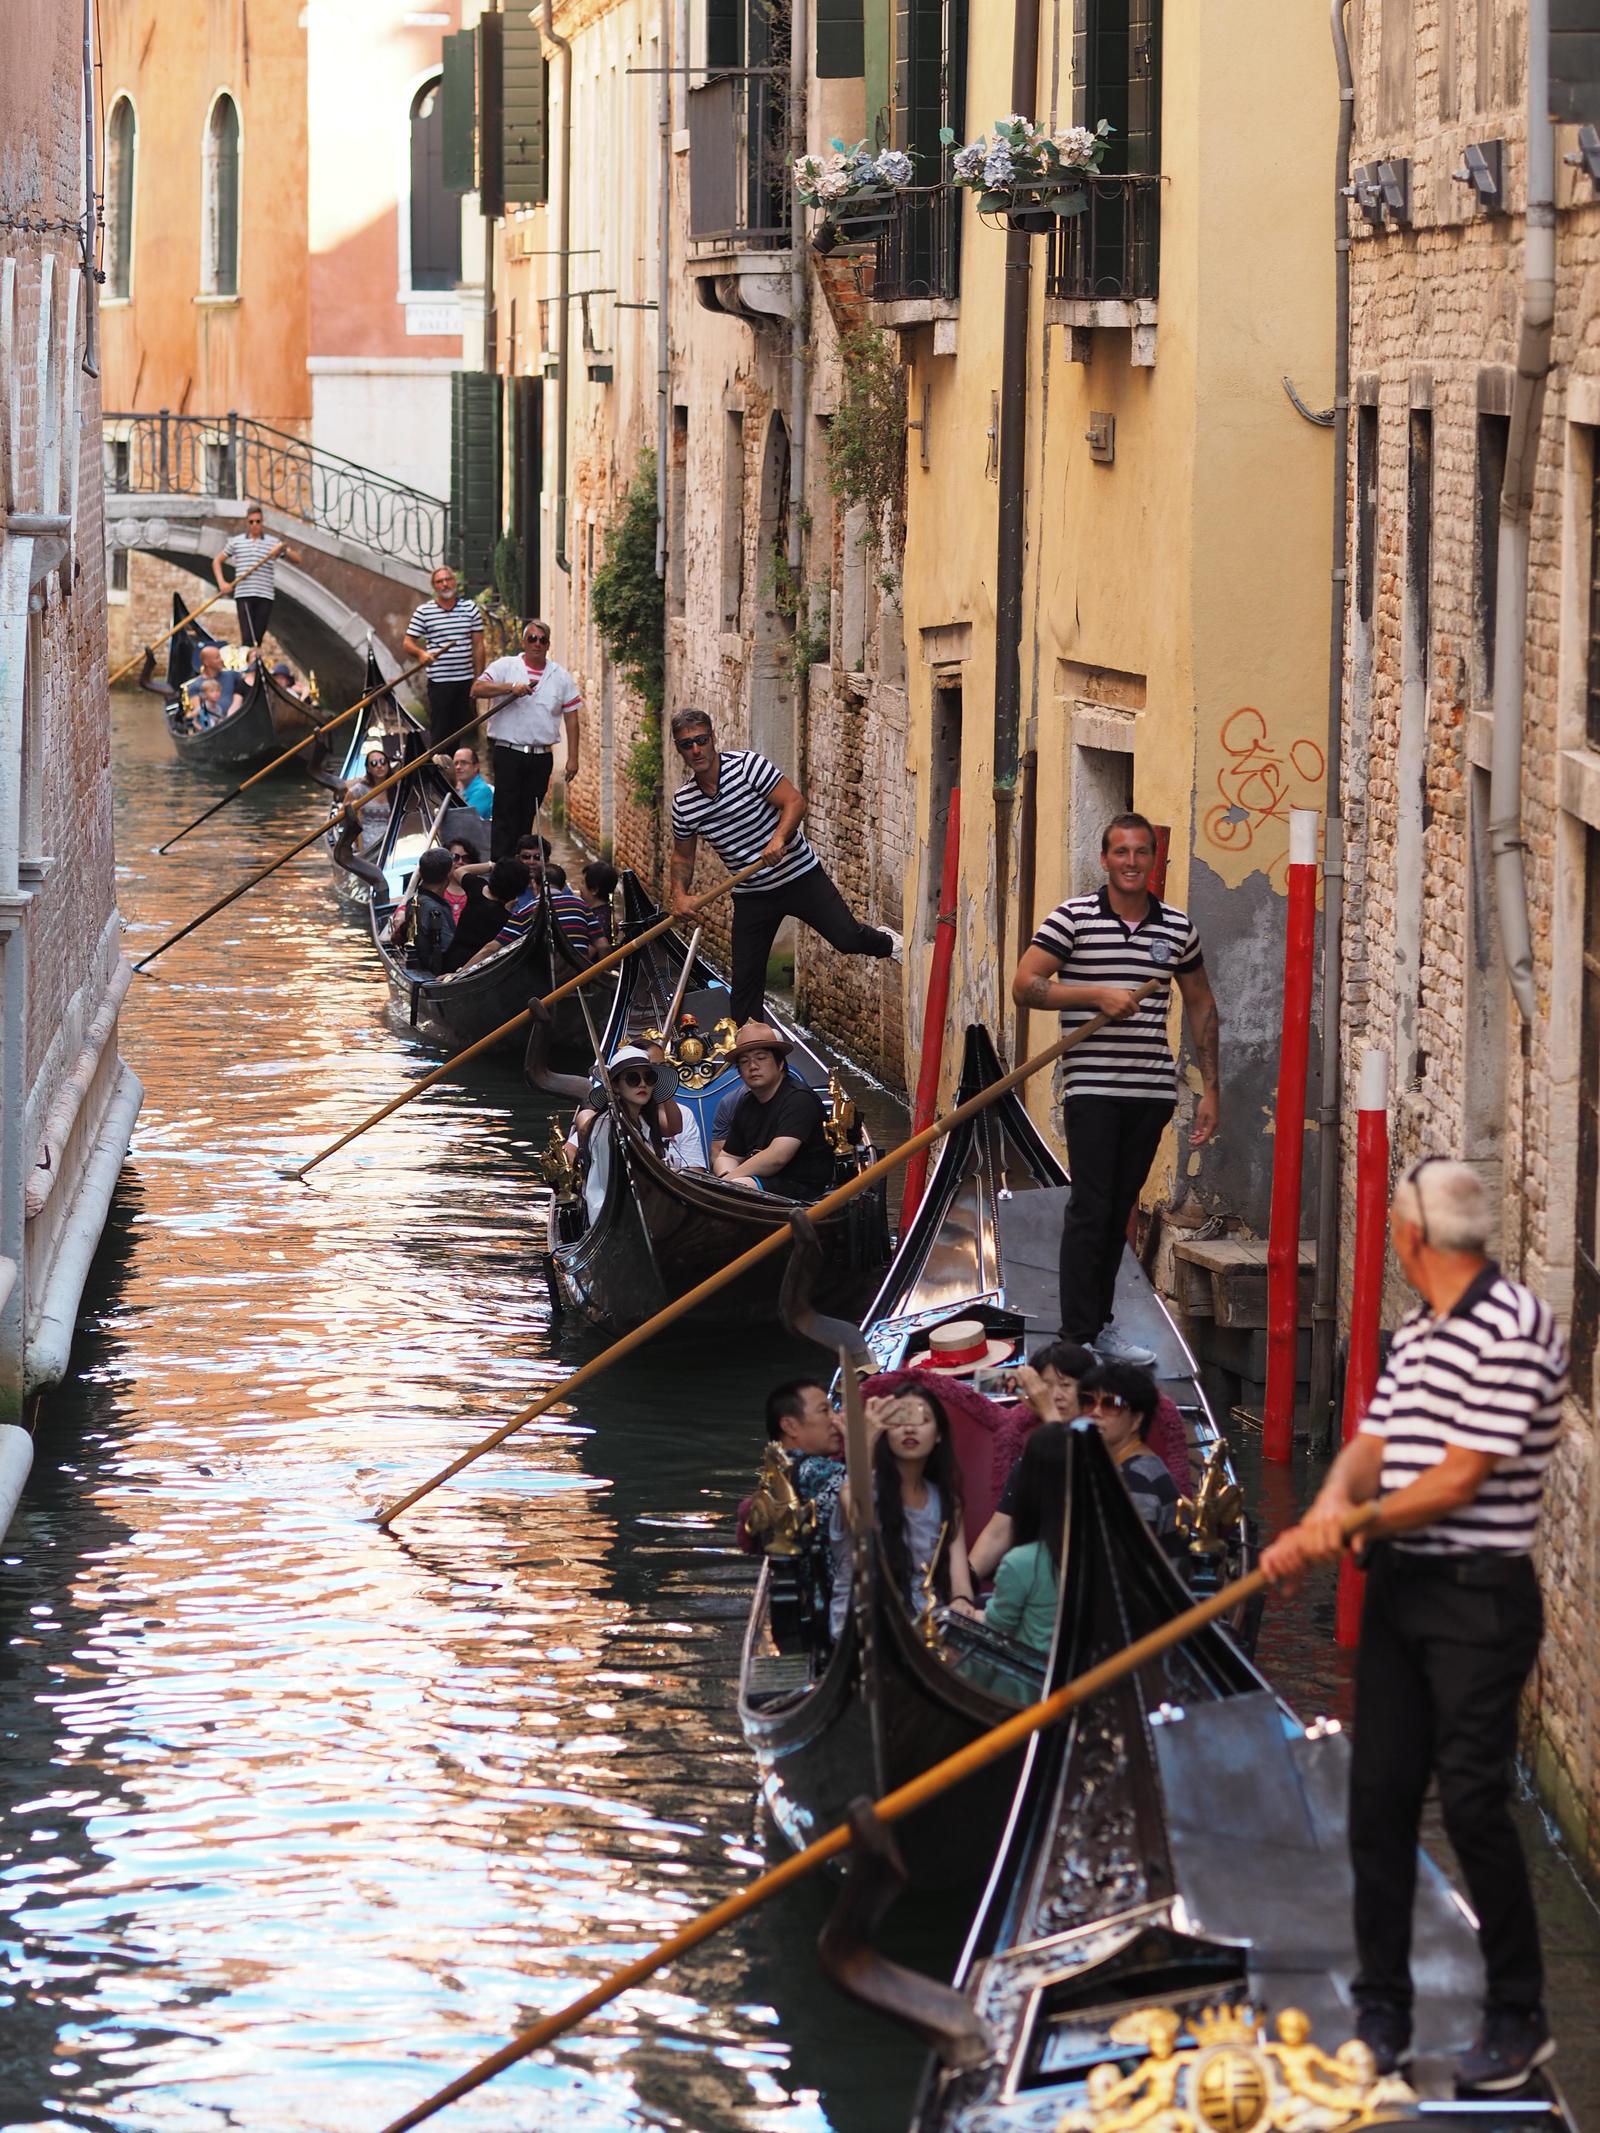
[(474, 475), (524, 104), (491, 75), (841, 40), (458, 97)]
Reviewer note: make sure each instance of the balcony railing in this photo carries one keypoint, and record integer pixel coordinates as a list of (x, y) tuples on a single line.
[(738, 161), (236, 456), (918, 253), (1111, 252)]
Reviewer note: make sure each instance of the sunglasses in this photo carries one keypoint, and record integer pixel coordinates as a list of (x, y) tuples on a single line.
[(691, 741), (635, 1078), (1104, 1403), (531, 638)]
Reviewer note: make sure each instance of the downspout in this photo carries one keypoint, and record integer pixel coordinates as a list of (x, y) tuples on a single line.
[(1325, 1299), (666, 55), (564, 322), (1516, 519), (91, 321), (1012, 544), (799, 293)]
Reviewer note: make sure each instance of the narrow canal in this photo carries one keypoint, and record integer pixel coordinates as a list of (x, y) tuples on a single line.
[(300, 1818)]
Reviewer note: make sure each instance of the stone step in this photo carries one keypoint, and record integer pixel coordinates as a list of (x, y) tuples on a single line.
[(1225, 1279)]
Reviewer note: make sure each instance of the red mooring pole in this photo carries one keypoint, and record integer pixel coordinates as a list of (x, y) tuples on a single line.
[(1288, 1155), (1366, 1295), (937, 1012)]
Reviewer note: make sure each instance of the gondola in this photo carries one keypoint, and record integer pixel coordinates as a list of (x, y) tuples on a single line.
[(641, 1233), (385, 723), (1164, 1939), (248, 736), (888, 1700)]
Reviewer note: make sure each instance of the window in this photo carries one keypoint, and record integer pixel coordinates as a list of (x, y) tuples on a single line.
[(1411, 754), (1493, 435), (122, 135), (435, 213), (1366, 514), (1593, 675), (1116, 75), (732, 521), (117, 573), (220, 235), (677, 511), (1586, 1284)]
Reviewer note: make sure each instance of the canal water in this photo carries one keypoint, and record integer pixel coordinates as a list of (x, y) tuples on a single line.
[(301, 1818)]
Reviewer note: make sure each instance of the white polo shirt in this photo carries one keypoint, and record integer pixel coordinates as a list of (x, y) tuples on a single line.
[(531, 721)]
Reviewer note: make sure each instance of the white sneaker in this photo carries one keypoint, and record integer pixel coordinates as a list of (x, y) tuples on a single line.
[(1111, 1347), (897, 946)]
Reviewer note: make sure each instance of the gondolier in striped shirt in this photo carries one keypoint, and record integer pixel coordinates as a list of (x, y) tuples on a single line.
[(446, 632), (245, 566), (746, 809), (1454, 1449), (1087, 959)]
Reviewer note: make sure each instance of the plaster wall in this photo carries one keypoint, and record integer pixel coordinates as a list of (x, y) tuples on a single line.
[(388, 412)]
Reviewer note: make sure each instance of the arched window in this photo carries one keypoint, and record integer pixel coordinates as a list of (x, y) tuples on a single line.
[(219, 274), (435, 214), (122, 135)]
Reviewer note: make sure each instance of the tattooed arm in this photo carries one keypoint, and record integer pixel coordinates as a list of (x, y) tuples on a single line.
[(1038, 984), (683, 855), (1200, 1012)]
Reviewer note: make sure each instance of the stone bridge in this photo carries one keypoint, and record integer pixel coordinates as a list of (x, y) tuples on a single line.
[(177, 486)]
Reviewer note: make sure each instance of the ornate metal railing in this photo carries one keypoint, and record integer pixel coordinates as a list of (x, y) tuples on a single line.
[(738, 161), (1112, 250), (919, 250), (236, 456)]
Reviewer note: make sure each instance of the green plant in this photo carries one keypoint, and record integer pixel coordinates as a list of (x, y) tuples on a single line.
[(509, 572), (867, 436), (804, 608), (629, 605)]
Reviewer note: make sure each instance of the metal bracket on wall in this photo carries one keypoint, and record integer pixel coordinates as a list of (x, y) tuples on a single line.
[(922, 426), (991, 465), (1586, 156), (1321, 416), (1101, 438)]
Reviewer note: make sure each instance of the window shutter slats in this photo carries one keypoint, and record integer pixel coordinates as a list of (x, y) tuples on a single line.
[(458, 94), (523, 115)]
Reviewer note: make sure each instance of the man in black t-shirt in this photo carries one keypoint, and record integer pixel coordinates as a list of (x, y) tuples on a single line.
[(776, 1141)]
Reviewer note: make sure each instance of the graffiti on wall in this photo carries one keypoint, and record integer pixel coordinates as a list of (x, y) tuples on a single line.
[(1257, 780)]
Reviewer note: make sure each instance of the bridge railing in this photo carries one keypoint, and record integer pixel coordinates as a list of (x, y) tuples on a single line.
[(236, 456)]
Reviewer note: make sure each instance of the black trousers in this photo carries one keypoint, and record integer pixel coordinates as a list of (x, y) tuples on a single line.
[(254, 617), (812, 899), (1439, 1676), (1111, 1143), (520, 784), (449, 709)]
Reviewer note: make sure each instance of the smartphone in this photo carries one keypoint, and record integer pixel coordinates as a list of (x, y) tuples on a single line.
[(996, 1381)]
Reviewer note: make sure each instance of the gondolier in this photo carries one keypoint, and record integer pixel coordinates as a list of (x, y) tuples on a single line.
[(446, 633), (1088, 958), (246, 565), (538, 701), (747, 809), (1454, 1449)]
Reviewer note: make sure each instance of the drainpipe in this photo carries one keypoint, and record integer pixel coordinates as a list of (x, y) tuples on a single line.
[(16, 583), (1516, 518), (91, 321), (799, 292), (1325, 1299), (564, 323), (1012, 545), (666, 55)]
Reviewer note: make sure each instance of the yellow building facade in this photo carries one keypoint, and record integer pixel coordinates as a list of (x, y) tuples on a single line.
[(1174, 641)]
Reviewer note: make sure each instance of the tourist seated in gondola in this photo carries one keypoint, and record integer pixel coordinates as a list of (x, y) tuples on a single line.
[(286, 683), (219, 703), (1049, 1382), (917, 1500), (1028, 1580), (776, 1140), (570, 913), (1121, 1400), (599, 885), (472, 789), (374, 813), (486, 912), (425, 924), (646, 1088), (204, 704)]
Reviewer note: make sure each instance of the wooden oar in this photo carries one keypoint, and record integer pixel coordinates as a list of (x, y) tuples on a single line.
[(128, 665), (288, 754), (989, 1748), (606, 962), (829, 1204), (283, 858)]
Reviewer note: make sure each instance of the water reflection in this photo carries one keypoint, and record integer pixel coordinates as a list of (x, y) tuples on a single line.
[(301, 1818)]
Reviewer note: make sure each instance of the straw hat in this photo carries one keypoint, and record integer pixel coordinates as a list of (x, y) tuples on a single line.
[(760, 1037), (666, 1074), (960, 1346)]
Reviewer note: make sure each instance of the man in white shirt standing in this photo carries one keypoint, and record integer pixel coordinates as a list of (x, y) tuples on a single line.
[(537, 699), (247, 560)]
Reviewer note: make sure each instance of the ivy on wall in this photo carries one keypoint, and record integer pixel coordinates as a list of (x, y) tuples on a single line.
[(867, 436), (629, 605)]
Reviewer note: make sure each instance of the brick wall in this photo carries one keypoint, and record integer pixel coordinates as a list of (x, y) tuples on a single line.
[(1435, 313)]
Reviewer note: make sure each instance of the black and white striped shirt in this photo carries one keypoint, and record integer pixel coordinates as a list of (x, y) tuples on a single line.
[(1488, 1376), (246, 556), (1095, 947), (738, 818), (449, 631)]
